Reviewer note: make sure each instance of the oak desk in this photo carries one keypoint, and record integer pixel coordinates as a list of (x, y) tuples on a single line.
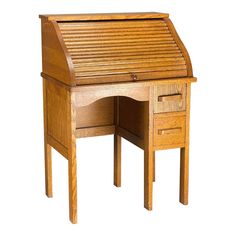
[(122, 74)]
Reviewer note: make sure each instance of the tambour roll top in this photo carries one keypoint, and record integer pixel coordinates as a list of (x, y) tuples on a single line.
[(91, 49)]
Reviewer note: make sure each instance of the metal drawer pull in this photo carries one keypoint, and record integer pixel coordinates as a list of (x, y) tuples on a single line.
[(170, 98), (169, 131)]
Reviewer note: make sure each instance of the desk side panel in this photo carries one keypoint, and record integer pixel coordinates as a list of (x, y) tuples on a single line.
[(55, 58), (131, 114), (57, 111)]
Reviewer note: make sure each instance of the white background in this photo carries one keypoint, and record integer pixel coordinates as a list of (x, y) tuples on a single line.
[(207, 29)]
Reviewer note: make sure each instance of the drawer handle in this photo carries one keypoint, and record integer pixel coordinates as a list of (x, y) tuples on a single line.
[(134, 77), (169, 131), (170, 98)]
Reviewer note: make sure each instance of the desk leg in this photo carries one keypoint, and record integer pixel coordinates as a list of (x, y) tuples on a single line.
[(72, 169), (117, 147), (117, 160), (154, 169), (184, 155), (47, 147), (148, 178), (48, 169), (184, 172), (148, 151)]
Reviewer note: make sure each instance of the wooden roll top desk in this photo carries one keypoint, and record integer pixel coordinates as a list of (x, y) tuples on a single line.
[(122, 74)]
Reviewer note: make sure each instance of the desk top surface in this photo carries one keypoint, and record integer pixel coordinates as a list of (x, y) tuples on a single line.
[(104, 16)]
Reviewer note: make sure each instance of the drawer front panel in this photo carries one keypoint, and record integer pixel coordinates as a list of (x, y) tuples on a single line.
[(169, 130), (169, 98)]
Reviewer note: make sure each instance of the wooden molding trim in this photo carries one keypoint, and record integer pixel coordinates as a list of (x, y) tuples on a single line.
[(105, 16), (94, 131), (130, 137), (57, 146)]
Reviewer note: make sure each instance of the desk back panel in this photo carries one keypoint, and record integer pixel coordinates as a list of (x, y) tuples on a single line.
[(99, 113)]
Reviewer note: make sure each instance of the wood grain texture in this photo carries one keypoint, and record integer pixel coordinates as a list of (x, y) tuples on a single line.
[(122, 74), (105, 16), (71, 123), (169, 130), (57, 110), (131, 116), (86, 40), (92, 94), (167, 93), (148, 151), (57, 146), (94, 131), (184, 155), (55, 59), (181, 46), (129, 85), (126, 134), (47, 147), (154, 167), (117, 145), (99, 113), (117, 160)]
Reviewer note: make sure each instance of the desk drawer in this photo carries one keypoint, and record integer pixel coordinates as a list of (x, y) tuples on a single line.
[(169, 130), (169, 98)]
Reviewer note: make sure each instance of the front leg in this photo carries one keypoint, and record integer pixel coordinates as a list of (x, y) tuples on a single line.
[(148, 151), (47, 147), (48, 168), (72, 167), (117, 160)]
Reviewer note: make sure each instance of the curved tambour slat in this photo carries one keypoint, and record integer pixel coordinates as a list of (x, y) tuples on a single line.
[(125, 48), (112, 56), (78, 37), (82, 34), (112, 50), (126, 77), (112, 24), (112, 31), (74, 51), (117, 47), (114, 53), (128, 64), (130, 67), (121, 45), (110, 41), (124, 60), (129, 70)]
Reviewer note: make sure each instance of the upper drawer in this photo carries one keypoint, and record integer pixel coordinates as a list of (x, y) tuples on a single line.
[(169, 98)]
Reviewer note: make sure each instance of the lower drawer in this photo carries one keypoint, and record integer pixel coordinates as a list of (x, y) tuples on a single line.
[(169, 130)]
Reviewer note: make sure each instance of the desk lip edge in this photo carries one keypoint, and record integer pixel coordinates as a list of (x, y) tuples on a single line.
[(104, 16), (145, 83)]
